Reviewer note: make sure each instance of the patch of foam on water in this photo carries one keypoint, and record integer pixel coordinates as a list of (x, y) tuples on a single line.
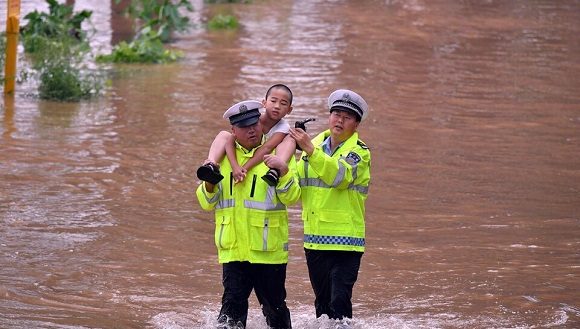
[(174, 320), (303, 317), (532, 299), (517, 245), (571, 309), (560, 318)]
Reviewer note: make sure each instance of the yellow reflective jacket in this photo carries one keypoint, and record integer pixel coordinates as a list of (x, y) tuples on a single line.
[(334, 190), (251, 220)]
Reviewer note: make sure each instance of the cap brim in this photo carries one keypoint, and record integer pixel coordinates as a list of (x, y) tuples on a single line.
[(247, 122), (345, 107)]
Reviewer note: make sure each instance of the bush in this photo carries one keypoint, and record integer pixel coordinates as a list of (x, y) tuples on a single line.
[(158, 19), (58, 49), (146, 48), (58, 24), (162, 16), (220, 22), (62, 74)]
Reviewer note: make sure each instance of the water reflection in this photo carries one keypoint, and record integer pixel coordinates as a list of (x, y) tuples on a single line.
[(473, 207), (100, 38), (295, 45), (8, 109)]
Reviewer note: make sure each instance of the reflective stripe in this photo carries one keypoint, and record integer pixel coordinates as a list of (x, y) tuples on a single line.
[(354, 171), (339, 175), (221, 234), (270, 194), (285, 188), (215, 197), (266, 205), (315, 182), (263, 205), (228, 203), (329, 239), (359, 188), (265, 235)]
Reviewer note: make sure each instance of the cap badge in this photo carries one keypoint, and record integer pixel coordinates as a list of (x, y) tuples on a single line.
[(243, 108), (346, 97)]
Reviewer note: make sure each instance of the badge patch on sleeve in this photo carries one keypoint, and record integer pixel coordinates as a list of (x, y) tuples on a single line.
[(352, 158)]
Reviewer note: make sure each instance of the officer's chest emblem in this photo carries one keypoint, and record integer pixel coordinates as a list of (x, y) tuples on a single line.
[(352, 158)]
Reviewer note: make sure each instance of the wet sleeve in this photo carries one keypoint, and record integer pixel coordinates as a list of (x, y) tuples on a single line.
[(288, 188), (207, 200), (340, 173)]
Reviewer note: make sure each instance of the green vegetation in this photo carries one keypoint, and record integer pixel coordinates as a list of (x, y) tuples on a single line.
[(220, 22), (58, 24), (223, 19), (227, 1), (58, 49), (156, 21), (63, 74), (147, 48), (161, 16), (65, 83), (22, 75)]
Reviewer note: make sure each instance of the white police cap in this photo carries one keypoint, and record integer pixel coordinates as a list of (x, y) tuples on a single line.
[(243, 114), (348, 100)]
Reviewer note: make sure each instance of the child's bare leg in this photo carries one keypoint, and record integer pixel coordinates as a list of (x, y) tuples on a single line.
[(217, 150), (284, 150), (209, 171)]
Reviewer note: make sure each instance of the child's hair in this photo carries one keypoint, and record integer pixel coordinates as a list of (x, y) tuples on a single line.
[(280, 86)]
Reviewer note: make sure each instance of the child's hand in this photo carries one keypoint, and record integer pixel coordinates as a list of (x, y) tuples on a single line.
[(275, 162), (239, 173)]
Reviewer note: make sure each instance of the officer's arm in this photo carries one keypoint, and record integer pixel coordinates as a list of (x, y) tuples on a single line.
[(342, 172), (208, 198), (288, 188)]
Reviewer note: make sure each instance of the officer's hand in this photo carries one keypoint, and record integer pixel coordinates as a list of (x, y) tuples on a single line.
[(274, 161)]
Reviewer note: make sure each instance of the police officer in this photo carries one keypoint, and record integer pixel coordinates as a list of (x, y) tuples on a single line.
[(334, 172), (251, 225)]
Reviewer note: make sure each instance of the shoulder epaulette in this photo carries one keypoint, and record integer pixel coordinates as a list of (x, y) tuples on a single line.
[(362, 144)]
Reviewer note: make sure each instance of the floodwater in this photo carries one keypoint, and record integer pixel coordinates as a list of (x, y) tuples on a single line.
[(474, 206)]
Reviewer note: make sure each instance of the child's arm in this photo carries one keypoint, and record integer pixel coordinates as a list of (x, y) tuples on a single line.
[(287, 148), (266, 148), (238, 172)]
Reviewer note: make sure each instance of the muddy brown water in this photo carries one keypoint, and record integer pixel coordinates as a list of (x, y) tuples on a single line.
[(473, 216)]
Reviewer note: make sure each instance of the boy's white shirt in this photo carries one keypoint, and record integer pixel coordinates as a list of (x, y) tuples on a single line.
[(281, 127)]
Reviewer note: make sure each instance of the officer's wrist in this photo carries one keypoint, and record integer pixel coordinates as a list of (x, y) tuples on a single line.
[(309, 149)]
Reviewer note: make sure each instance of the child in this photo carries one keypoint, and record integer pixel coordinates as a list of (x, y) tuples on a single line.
[(277, 104)]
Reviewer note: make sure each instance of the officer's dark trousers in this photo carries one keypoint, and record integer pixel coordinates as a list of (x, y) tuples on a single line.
[(239, 278), (332, 275)]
